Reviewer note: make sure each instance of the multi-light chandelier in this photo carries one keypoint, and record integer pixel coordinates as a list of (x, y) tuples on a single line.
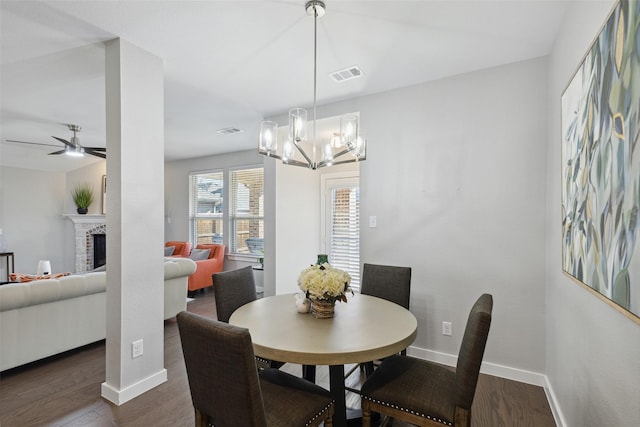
[(344, 147)]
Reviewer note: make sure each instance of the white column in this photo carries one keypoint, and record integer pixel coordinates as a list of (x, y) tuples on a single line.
[(135, 206)]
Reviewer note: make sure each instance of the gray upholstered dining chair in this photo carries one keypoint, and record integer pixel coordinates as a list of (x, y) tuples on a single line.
[(387, 282), (439, 395), (228, 391), (233, 289)]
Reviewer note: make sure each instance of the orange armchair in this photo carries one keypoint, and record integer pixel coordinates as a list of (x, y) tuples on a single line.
[(182, 249), (206, 267)]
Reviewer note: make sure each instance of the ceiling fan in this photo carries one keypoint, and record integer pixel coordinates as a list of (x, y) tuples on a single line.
[(73, 147)]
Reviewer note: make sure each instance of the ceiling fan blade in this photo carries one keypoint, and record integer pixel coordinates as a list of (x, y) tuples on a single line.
[(95, 153), (95, 148), (57, 152), (64, 141), (31, 143)]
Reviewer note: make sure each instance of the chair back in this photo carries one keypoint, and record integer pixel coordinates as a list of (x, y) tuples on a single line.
[(182, 249), (233, 289), (472, 348), (221, 369), (387, 282), (215, 250)]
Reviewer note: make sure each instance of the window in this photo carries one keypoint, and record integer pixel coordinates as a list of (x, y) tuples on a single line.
[(342, 225), (246, 213), (244, 220), (207, 207)]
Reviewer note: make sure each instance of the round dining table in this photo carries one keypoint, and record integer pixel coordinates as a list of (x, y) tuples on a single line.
[(365, 328)]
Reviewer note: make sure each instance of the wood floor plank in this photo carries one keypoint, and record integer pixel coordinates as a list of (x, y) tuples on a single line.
[(64, 391)]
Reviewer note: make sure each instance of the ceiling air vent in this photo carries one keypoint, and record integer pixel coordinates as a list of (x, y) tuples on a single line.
[(228, 131), (346, 74)]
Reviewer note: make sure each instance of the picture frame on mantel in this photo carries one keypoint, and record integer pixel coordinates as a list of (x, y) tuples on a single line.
[(104, 194), (600, 170)]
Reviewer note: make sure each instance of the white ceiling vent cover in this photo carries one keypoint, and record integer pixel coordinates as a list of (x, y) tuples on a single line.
[(346, 74), (229, 131)]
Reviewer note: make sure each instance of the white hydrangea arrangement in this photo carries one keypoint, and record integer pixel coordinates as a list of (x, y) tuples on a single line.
[(323, 282)]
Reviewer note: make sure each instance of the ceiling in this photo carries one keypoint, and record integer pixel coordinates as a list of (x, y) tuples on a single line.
[(231, 63)]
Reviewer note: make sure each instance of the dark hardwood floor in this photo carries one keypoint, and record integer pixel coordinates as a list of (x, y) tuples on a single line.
[(65, 391)]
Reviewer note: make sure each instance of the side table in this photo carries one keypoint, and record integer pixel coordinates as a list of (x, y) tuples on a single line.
[(8, 255)]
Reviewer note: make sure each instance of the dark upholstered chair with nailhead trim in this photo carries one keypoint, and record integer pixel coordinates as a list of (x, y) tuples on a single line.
[(425, 393), (232, 290), (228, 391)]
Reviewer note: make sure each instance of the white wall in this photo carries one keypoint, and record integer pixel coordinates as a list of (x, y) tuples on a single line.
[(593, 351), (297, 222), (91, 175), (31, 219), (455, 174), (33, 204)]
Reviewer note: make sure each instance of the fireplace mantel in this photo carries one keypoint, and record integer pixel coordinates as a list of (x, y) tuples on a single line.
[(85, 227), (86, 219)]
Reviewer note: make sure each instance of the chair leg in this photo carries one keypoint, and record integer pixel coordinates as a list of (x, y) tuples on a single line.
[(201, 419), (366, 414), (329, 421)]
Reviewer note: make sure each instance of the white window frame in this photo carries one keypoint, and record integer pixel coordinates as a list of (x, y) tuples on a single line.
[(228, 226), (193, 237), (329, 181), (226, 215)]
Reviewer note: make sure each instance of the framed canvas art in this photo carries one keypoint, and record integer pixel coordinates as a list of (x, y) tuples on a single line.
[(601, 163)]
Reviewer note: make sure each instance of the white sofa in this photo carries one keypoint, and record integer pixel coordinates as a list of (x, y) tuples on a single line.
[(46, 317)]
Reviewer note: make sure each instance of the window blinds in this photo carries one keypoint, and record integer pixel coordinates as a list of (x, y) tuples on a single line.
[(344, 234)]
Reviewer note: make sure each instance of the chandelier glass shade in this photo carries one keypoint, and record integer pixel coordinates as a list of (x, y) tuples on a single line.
[(303, 149)]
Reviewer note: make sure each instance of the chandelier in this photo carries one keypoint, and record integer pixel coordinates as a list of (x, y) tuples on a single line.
[(347, 146)]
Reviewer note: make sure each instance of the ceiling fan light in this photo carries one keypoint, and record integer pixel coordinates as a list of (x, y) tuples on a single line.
[(76, 151)]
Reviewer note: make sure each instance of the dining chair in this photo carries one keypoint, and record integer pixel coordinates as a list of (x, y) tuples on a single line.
[(233, 289), (228, 391), (438, 394), (387, 282)]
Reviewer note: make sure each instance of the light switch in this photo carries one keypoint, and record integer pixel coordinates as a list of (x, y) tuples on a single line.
[(373, 222)]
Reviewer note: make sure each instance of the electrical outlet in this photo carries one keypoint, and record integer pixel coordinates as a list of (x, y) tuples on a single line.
[(137, 349), (446, 328)]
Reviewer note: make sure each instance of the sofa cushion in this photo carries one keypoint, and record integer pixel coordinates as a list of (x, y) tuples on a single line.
[(18, 295), (168, 250), (199, 254)]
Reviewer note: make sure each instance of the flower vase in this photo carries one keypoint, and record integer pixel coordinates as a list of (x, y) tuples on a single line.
[(322, 308), (322, 259)]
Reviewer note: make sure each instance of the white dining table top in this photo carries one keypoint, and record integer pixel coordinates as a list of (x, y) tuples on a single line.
[(363, 329)]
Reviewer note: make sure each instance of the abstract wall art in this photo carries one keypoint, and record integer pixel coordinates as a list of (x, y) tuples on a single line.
[(601, 163)]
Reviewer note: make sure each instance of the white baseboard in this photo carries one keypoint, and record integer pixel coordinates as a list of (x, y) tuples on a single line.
[(119, 397), (515, 374), (553, 403)]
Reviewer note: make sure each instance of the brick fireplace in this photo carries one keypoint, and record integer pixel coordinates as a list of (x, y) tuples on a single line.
[(85, 227)]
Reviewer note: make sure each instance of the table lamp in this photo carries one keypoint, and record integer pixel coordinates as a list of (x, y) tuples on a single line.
[(44, 267)]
